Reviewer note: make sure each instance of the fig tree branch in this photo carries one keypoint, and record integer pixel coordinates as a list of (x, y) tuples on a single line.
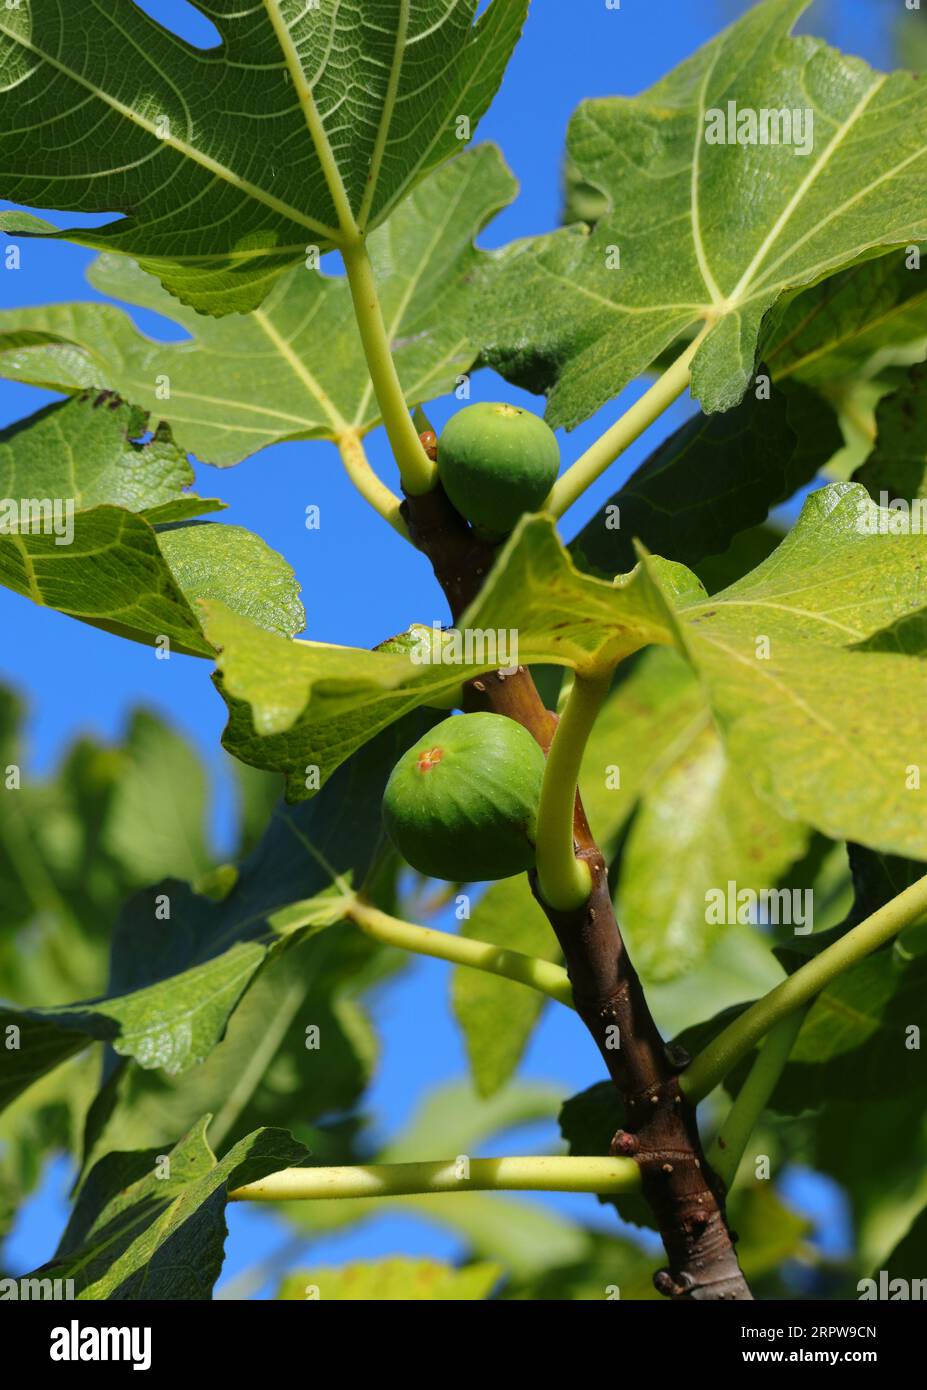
[(661, 1133), (531, 1174), (714, 1061)]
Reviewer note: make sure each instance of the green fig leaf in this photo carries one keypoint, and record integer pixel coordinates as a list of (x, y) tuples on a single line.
[(149, 1225), (393, 1280), (293, 368), (95, 523), (795, 665), (704, 232), (305, 127)]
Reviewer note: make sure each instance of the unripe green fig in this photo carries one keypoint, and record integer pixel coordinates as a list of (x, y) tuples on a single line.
[(497, 462), (462, 803)]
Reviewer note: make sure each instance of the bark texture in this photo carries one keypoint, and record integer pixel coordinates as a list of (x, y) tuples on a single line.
[(660, 1129)]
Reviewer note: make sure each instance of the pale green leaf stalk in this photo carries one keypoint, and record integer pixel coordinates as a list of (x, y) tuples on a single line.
[(732, 1138), (600, 455), (541, 975), (416, 469), (715, 1061), (376, 493), (565, 881), (515, 1174)]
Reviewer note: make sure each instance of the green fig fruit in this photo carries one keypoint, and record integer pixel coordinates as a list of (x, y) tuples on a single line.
[(497, 462), (462, 803)]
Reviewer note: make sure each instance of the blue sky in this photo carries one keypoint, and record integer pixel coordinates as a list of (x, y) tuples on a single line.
[(360, 582)]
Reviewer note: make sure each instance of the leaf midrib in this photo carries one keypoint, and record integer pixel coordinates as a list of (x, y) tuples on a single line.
[(386, 115), (347, 224)]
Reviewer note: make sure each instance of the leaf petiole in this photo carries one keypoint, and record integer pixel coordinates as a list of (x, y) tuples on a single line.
[(606, 449), (541, 975), (565, 881), (715, 1061), (358, 468), (530, 1174), (732, 1138), (416, 469)]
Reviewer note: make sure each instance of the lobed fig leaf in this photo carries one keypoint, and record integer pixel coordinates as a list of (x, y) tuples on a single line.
[(423, 645)]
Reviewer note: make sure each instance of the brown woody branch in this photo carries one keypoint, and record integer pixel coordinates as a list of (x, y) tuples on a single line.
[(661, 1131)]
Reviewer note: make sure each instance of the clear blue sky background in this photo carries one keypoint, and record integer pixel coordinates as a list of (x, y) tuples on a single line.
[(360, 582)]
